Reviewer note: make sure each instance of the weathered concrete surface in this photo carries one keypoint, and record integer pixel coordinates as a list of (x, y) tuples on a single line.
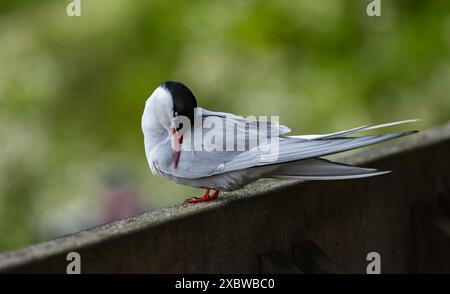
[(346, 219)]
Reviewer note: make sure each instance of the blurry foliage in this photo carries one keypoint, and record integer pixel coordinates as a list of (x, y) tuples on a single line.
[(72, 90)]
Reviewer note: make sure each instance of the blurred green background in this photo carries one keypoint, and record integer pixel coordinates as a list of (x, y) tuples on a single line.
[(72, 89)]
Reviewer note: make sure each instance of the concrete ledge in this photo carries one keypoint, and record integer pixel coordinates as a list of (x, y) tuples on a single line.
[(346, 219)]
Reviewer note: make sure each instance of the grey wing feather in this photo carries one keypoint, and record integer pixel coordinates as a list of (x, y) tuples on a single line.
[(230, 120), (292, 149)]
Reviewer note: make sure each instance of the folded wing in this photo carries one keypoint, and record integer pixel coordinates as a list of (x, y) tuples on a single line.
[(284, 150), (293, 149)]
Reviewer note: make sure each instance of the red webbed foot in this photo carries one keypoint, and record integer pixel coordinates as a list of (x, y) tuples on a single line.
[(206, 197)]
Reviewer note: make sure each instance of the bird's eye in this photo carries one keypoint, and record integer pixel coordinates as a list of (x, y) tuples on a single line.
[(180, 126)]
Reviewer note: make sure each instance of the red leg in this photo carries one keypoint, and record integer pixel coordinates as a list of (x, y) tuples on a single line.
[(205, 197)]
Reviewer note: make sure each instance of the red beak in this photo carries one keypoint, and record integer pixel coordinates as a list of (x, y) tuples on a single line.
[(177, 141)]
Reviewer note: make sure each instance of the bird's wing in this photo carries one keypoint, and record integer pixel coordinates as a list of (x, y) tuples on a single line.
[(231, 121), (293, 149), (203, 163)]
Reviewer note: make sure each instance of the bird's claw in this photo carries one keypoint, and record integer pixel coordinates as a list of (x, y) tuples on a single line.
[(204, 198), (198, 199)]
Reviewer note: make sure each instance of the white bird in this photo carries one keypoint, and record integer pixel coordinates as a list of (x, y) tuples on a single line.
[(173, 152)]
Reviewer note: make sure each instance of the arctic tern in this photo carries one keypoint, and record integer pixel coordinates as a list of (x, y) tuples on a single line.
[(172, 120)]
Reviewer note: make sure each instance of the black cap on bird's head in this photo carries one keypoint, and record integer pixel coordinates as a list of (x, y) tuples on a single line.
[(184, 102)]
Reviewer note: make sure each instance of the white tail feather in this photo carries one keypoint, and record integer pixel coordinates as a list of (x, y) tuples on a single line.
[(355, 130)]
